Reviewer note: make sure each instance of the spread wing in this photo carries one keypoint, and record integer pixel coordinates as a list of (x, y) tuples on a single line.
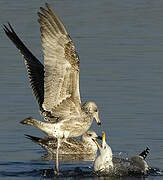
[(61, 82), (34, 67)]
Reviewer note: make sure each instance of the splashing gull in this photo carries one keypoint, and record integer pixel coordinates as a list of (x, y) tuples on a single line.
[(56, 83), (104, 161), (106, 164)]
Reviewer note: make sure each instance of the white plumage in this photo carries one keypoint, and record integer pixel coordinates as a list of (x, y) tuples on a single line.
[(105, 163)]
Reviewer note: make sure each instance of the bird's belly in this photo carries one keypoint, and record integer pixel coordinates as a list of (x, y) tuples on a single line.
[(75, 128)]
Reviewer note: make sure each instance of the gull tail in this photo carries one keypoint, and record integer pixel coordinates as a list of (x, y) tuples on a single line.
[(43, 142), (31, 121), (46, 127), (144, 153), (48, 144), (33, 138)]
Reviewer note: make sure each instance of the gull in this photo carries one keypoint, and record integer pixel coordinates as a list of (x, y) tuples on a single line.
[(107, 164), (103, 162), (74, 146), (56, 83), (140, 162)]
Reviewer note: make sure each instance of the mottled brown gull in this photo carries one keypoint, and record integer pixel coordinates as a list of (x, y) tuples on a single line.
[(56, 83), (75, 146)]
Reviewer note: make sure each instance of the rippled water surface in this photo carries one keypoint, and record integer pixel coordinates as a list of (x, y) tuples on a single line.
[(120, 44)]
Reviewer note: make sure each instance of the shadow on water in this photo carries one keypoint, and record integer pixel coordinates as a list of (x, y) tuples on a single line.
[(73, 171)]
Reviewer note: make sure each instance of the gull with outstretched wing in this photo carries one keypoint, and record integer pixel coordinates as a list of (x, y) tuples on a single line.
[(56, 83)]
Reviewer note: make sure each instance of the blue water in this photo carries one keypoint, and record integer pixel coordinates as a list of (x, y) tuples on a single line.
[(120, 44)]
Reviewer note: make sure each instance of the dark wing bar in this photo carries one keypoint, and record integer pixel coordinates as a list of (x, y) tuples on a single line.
[(34, 67)]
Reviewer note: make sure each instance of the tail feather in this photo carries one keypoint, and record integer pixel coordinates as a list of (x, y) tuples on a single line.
[(33, 138), (47, 143), (30, 121), (144, 153), (40, 141), (47, 128)]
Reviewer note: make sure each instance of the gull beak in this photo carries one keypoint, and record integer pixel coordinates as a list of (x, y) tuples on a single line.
[(99, 137), (98, 145), (103, 138), (97, 118)]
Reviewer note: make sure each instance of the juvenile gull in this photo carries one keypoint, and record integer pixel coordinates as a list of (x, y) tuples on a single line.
[(75, 146), (56, 83), (105, 163)]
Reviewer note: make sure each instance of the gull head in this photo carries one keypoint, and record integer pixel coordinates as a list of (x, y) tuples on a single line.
[(104, 161), (91, 108), (89, 136)]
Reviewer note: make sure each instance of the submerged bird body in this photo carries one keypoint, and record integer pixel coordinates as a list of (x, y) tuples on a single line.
[(140, 163), (139, 160), (71, 146)]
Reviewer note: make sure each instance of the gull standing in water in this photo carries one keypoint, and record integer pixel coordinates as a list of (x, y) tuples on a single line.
[(107, 164), (56, 83), (83, 146)]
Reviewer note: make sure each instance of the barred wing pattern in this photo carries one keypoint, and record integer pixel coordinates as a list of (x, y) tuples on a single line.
[(34, 67), (61, 82)]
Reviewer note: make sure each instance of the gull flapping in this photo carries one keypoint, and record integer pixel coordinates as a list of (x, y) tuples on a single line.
[(56, 83), (140, 162), (105, 163)]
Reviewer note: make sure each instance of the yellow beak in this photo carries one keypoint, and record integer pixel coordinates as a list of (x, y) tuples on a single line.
[(103, 139), (98, 145), (103, 136)]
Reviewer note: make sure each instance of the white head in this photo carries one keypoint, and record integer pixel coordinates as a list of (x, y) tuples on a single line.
[(91, 108), (104, 161)]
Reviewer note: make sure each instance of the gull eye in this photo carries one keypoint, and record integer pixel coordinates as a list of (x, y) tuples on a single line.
[(95, 110), (89, 134)]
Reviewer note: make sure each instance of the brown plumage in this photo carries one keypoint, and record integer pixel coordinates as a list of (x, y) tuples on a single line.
[(72, 146), (56, 83)]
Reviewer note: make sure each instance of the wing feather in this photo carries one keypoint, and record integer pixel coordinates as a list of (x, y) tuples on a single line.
[(34, 67), (56, 84), (61, 82)]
